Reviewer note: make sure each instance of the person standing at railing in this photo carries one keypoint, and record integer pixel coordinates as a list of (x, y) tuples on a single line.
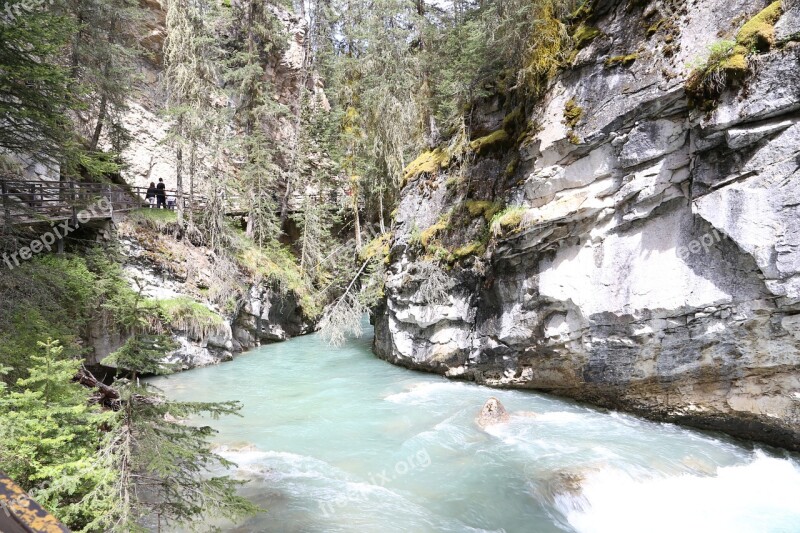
[(161, 194), (151, 195)]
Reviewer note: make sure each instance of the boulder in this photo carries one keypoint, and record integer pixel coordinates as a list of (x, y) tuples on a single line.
[(493, 412)]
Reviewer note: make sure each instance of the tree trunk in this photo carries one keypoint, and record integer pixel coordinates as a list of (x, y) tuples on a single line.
[(99, 127), (179, 177), (192, 170), (356, 218)]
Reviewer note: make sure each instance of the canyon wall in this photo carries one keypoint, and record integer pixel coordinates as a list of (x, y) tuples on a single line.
[(654, 262)]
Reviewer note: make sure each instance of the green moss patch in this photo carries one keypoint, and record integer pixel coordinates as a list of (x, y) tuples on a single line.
[(484, 208), (758, 33), (621, 61), (584, 35), (428, 162), (428, 235), (470, 249), (572, 113), (494, 141)]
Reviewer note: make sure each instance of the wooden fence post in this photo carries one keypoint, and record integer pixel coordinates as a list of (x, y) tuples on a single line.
[(6, 209), (73, 204)]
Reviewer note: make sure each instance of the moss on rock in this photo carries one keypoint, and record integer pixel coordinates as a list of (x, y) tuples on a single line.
[(759, 32), (484, 208), (572, 113), (621, 61), (494, 141), (428, 162), (584, 35)]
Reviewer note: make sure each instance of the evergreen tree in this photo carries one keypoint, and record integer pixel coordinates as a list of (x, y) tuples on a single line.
[(34, 86), (50, 436), (255, 37), (165, 464)]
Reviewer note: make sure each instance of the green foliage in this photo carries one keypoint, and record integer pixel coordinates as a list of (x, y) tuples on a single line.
[(275, 263), (50, 437), (163, 462), (377, 248), (34, 115), (49, 296)]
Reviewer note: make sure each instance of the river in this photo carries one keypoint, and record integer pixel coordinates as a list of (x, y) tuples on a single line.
[(335, 440)]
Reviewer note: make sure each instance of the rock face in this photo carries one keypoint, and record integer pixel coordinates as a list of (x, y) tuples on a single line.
[(169, 269), (656, 266)]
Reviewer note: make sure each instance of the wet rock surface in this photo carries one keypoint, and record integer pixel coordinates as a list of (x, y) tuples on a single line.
[(657, 269)]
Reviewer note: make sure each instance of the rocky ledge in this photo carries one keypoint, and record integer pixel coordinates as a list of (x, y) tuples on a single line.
[(654, 262)]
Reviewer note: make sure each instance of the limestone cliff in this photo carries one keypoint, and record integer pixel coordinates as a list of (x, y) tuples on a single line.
[(652, 260), (217, 307)]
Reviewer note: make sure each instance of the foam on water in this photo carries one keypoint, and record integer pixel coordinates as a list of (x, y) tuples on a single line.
[(426, 392), (763, 495)]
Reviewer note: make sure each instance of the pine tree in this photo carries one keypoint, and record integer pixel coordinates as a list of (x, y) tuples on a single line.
[(50, 436), (165, 463), (35, 94), (255, 36)]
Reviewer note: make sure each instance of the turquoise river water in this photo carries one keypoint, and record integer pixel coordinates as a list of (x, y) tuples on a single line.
[(335, 440)]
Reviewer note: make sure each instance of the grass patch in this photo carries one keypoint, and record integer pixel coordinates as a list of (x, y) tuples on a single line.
[(508, 220), (160, 220), (197, 320), (726, 63)]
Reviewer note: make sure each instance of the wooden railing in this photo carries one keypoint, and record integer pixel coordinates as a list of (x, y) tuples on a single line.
[(41, 201), (26, 201)]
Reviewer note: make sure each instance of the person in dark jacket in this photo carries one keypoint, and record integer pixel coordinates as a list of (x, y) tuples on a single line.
[(151, 195), (161, 194)]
